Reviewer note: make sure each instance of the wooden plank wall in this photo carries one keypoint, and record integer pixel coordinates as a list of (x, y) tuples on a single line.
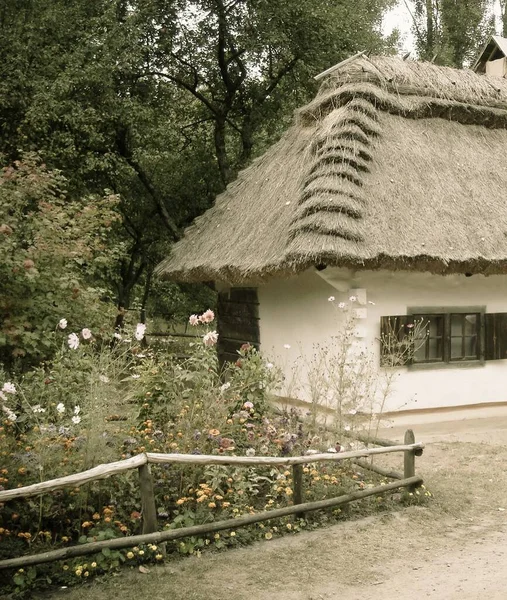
[(237, 322)]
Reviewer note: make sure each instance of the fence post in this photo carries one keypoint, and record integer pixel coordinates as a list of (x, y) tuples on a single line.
[(409, 459), (297, 475), (149, 510)]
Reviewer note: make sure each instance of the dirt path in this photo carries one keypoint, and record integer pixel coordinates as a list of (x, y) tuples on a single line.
[(455, 547)]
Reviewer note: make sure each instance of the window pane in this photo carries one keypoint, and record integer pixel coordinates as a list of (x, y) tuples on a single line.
[(436, 325), (457, 347), (470, 324), (428, 345), (457, 325), (420, 351), (435, 349), (471, 347)]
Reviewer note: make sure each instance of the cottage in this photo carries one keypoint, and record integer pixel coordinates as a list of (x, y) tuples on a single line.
[(390, 188)]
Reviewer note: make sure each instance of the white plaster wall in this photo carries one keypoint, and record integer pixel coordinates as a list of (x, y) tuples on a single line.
[(297, 312)]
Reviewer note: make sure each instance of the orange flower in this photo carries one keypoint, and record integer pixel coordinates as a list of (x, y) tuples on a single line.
[(214, 432)]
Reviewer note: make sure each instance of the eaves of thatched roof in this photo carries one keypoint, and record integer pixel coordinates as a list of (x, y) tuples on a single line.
[(395, 164)]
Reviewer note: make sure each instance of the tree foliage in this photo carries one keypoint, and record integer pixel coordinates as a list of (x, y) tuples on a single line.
[(162, 102), (450, 32), (56, 255)]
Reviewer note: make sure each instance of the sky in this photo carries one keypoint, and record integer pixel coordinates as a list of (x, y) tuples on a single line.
[(400, 17)]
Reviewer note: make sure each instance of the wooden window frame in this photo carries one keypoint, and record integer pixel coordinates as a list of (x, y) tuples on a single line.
[(446, 312)]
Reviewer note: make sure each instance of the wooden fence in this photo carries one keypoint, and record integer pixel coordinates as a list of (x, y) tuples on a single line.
[(149, 512)]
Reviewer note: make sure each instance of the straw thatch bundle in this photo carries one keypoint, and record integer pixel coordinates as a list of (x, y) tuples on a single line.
[(396, 165)]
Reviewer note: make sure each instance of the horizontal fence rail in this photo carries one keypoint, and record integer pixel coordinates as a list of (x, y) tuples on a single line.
[(175, 534), (142, 463), (104, 471)]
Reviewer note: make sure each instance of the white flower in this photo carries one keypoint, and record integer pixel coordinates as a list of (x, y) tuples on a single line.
[(353, 412), (286, 346), (193, 320), (269, 366), (250, 452), (370, 302), (38, 409), (140, 331), (73, 341), (62, 323), (104, 378), (207, 317), (342, 305), (60, 408), (136, 376), (3, 396), (210, 339), (9, 388), (76, 420), (10, 415), (141, 355), (331, 299), (332, 450), (86, 333), (311, 452), (117, 335), (353, 298), (77, 410), (225, 386), (347, 428)]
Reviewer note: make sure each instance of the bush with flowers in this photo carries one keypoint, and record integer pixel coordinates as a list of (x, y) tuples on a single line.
[(103, 399)]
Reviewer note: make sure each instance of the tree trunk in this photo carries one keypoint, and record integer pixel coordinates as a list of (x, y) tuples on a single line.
[(430, 32), (221, 151), (247, 142)]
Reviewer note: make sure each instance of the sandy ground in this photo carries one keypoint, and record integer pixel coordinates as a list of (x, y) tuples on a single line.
[(453, 548)]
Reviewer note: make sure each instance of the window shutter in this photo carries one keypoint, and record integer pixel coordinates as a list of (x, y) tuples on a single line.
[(238, 322), (395, 347), (495, 336)]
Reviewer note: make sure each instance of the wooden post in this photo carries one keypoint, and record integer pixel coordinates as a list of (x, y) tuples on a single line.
[(149, 510), (297, 474), (409, 461)]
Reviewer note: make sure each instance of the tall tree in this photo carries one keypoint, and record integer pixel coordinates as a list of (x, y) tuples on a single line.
[(162, 101), (248, 61), (450, 32)]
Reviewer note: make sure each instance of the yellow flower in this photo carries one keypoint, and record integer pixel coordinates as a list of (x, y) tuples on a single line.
[(141, 552), (225, 504), (268, 535), (288, 491), (202, 498), (159, 556), (218, 497), (180, 501), (214, 432), (289, 526), (86, 573), (217, 536), (79, 572), (65, 567), (96, 516), (212, 505), (21, 570), (130, 555), (232, 534), (93, 565)]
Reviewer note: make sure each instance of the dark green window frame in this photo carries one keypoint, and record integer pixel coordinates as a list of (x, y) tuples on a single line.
[(440, 348)]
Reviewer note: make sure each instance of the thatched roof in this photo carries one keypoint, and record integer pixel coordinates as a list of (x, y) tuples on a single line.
[(397, 165)]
